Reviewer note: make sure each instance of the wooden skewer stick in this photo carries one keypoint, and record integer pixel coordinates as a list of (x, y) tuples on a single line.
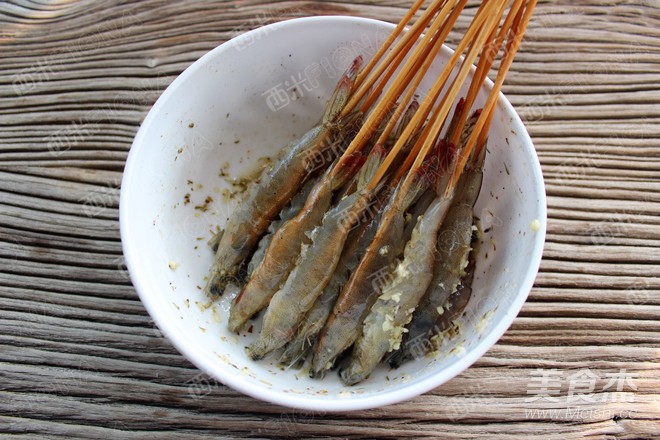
[(482, 15), (517, 36), (384, 105), (479, 134), (422, 68), (408, 71), (423, 115), (485, 63), (388, 42), (449, 98), (376, 91), (411, 35)]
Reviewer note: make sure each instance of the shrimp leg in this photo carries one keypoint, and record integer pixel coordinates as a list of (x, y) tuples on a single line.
[(265, 200), (315, 266)]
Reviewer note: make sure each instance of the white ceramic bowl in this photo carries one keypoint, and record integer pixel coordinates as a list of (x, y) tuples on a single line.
[(236, 104)]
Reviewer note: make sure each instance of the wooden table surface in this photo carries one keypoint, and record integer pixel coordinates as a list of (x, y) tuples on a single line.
[(79, 355)]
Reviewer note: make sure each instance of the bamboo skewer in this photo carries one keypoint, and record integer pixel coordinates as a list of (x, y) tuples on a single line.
[(483, 40), (422, 69), (448, 99), (382, 82), (518, 33), (429, 101), (480, 133), (485, 63), (388, 42), (385, 103), (412, 35)]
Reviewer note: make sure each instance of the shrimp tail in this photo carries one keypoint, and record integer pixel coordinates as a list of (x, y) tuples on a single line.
[(343, 91), (455, 120), (469, 126), (295, 352), (214, 241), (345, 169), (403, 123), (371, 165), (447, 163), (407, 116), (424, 177)]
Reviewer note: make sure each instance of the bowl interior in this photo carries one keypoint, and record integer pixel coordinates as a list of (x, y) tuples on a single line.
[(245, 100)]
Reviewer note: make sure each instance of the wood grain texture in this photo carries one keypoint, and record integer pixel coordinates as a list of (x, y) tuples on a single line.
[(80, 357)]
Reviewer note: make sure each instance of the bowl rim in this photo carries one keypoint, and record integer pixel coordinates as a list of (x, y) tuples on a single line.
[(304, 402)]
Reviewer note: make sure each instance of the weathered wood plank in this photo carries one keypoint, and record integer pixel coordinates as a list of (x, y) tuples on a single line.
[(79, 356)]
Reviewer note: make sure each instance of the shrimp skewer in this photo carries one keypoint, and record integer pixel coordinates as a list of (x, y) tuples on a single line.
[(384, 325), (391, 233), (368, 309), (315, 265), (358, 241), (280, 257), (453, 249), (251, 218), (362, 288), (453, 307)]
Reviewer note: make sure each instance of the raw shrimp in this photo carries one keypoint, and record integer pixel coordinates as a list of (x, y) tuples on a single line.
[(453, 248), (315, 265), (265, 200), (363, 287), (315, 319), (280, 257), (451, 311), (356, 244), (384, 325), (459, 299), (288, 212)]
